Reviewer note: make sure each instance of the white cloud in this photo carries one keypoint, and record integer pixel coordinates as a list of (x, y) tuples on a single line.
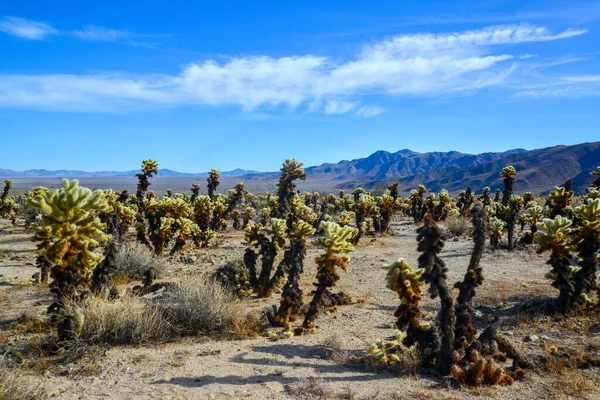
[(26, 28), (369, 111), (338, 107), (404, 65), (100, 33)]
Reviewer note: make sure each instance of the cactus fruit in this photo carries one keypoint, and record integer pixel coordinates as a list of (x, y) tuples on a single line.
[(68, 231), (336, 244)]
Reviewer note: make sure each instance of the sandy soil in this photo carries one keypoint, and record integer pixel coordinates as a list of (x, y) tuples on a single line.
[(261, 368)]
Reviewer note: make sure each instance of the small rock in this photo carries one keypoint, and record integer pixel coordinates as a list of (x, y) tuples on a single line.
[(545, 337), (531, 338)]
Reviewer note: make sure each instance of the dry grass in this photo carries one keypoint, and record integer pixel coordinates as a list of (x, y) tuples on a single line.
[(200, 305), (458, 226), (575, 384), (128, 320), (134, 261), (13, 386)]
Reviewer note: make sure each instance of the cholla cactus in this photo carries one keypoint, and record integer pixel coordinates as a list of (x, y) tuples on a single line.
[(431, 242), (508, 174), (533, 214), (269, 242), (236, 196), (553, 235), (559, 201), (485, 197), (103, 275), (345, 218), (336, 244), (9, 207), (440, 213), (290, 171), (68, 231), (385, 353), (291, 298), (464, 331), (465, 201), (416, 201), (247, 216), (596, 183), (195, 193), (213, 182), (478, 370), (587, 243), (120, 217), (149, 168), (407, 282), (496, 230)]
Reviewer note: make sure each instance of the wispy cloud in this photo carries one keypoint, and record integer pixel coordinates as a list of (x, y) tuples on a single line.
[(369, 111), (405, 65), (100, 33), (26, 28), (103, 34)]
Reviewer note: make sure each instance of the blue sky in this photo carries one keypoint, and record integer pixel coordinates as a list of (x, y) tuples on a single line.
[(101, 85)]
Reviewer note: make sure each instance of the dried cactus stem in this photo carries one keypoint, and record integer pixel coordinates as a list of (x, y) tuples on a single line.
[(464, 332), (431, 242)]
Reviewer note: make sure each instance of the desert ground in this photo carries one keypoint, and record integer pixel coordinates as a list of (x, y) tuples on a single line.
[(324, 365)]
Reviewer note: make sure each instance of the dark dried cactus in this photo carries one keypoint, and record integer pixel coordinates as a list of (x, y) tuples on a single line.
[(102, 277), (291, 170), (464, 331), (431, 242)]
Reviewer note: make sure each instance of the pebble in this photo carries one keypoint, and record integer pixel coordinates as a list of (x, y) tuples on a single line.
[(531, 338)]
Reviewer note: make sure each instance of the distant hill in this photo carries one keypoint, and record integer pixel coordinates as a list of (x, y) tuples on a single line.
[(163, 173), (538, 171)]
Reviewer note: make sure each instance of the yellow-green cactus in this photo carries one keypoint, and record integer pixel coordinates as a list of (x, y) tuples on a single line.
[(387, 354), (213, 182), (291, 170), (336, 244), (68, 231), (508, 174), (496, 230), (554, 235), (559, 201)]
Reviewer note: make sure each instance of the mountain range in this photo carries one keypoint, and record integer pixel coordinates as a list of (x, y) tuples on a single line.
[(538, 170)]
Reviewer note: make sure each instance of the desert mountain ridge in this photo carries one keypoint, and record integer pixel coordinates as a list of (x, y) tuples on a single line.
[(538, 170)]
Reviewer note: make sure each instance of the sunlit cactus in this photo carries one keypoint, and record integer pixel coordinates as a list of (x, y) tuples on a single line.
[(387, 353), (291, 297), (213, 182), (203, 209), (416, 202), (440, 212), (587, 243), (149, 168), (291, 170), (269, 241), (236, 196), (219, 207), (532, 215), (247, 216), (393, 188), (67, 233), (553, 235), (8, 207), (387, 208), (345, 218), (559, 201), (336, 245), (496, 229), (478, 370), (508, 174), (465, 200)]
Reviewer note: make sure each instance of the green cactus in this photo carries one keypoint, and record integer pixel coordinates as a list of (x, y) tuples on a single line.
[(559, 201), (67, 232), (496, 230), (336, 244), (587, 244), (553, 235)]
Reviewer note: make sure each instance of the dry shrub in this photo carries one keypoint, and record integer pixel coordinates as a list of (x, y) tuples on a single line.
[(128, 320), (13, 386), (201, 305), (134, 261), (458, 226)]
